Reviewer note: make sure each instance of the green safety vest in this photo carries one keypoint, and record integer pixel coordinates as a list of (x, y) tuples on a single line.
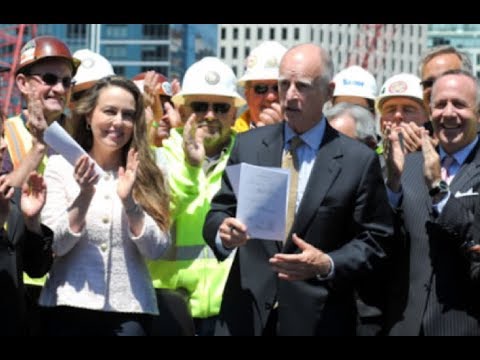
[(190, 266)]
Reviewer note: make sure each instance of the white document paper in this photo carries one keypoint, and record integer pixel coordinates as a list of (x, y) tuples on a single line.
[(262, 196), (59, 140)]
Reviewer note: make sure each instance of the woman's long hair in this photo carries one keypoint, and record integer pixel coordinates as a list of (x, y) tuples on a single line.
[(150, 187)]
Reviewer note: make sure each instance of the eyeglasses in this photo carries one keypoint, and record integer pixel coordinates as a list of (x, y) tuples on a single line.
[(428, 83), (52, 80), (261, 89), (201, 107)]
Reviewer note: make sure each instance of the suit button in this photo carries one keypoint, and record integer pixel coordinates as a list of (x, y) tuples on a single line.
[(104, 247), (105, 220), (268, 306)]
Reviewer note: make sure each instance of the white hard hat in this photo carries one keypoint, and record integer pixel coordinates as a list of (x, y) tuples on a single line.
[(355, 81), (93, 67), (209, 76), (263, 62), (404, 85)]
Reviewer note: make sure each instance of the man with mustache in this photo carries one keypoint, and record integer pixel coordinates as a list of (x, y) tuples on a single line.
[(195, 158)]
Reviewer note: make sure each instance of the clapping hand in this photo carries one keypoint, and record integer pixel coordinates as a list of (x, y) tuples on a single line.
[(34, 195), (127, 176)]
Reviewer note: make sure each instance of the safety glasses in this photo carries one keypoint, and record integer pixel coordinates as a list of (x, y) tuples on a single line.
[(202, 107), (261, 89), (52, 80)]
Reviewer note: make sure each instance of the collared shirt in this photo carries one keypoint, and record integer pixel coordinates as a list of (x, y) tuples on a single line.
[(460, 157), (306, 153)]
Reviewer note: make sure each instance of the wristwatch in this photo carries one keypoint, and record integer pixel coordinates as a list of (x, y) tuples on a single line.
[(440, 187)]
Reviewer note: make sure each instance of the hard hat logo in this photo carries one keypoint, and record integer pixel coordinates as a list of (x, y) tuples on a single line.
[(398, 87), (212, 78), (272, 62), (263, 62), (28, 52), (88, 63)]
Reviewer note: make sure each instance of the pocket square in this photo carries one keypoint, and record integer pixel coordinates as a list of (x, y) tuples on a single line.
[(469, 192)]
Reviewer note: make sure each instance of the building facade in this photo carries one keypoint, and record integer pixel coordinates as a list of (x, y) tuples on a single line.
[(383, 49), (134, 48), (465, 37)]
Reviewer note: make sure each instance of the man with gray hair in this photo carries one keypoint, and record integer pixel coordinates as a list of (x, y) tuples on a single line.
[(354, 121), (436, 61)]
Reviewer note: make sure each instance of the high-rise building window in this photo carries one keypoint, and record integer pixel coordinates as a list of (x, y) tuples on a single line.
[(234, 52), (155, 52), (222, 52), (160, 69), (115, 52), (116, 30), (235, 33), (156, 31), (119, 70), (234, 68), (223, 33), (272, 33), (247, 51), (247, 33), (259, 33), (75, 31), (296, 34)]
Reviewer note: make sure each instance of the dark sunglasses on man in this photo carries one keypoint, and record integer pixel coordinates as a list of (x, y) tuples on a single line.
[(52, 80), (261, 89), (202, 107)]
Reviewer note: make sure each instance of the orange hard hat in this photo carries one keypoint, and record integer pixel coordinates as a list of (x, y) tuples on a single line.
[(165, 88), (43, 47)]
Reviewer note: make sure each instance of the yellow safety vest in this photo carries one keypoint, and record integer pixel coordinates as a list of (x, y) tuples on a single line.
[(19, 143), (190, 266)]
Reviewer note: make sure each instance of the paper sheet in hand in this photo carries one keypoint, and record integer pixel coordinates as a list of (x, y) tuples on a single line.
[(60, 141), (262, 195)]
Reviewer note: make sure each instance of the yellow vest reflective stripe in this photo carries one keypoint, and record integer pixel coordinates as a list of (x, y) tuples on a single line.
[(19, 140), (189, 252)]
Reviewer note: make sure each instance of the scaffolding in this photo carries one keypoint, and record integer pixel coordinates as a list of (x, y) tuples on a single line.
[(12, 38)]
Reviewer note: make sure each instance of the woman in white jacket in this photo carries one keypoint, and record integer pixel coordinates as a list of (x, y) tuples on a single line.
[(105, 226)]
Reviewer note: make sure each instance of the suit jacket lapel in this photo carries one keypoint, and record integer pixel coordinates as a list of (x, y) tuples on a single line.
[(469, 170), (324, 172), (270, 154)]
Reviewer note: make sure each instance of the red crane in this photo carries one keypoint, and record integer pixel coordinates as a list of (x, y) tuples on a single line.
[(12, 38)]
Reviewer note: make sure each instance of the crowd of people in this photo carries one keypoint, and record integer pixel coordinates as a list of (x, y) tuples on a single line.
[(140, 236)]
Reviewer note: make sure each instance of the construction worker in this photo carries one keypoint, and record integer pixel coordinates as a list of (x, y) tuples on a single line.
[(357, 86), (261, 87), (196, 157), (400, 104), (160, 112), (44, 77)]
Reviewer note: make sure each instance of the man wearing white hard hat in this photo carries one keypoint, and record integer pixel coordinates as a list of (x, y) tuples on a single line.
[(357, 86), (261, 87), (401, 105), (196, 157), (93, 67)]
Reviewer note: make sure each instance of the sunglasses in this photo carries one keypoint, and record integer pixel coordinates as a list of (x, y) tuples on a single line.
[(427, 83), (202, 107), (52, 80), (261, 89)]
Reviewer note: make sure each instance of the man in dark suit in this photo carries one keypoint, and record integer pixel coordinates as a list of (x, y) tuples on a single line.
[(24, 245), (435, 195), (341, 229)]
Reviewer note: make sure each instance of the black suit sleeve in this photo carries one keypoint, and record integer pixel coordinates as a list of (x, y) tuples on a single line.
[(224, 204), (461, 225), (373, 217), (36, 249)]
